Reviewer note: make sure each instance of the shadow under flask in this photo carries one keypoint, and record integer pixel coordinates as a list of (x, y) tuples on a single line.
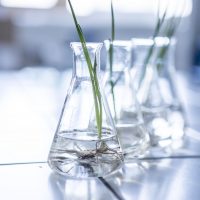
[(78, 149), (122, 100)]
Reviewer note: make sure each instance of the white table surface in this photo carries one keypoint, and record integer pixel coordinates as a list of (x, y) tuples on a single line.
[(30, 103)]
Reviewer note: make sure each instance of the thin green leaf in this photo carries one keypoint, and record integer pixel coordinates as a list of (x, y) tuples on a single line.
[(159, 24), (92, 72), (113, 22), (98, 97), (169, 31), (111, 52)]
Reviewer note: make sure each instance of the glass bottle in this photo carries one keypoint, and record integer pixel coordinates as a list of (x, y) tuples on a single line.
[(157, 91), (78, 150), (122, 101)]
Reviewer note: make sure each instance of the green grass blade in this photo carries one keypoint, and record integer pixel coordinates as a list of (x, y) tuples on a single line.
[(111, 52), (169, 32), (113, 22), (92, 72), (97, 89), (159, 25)]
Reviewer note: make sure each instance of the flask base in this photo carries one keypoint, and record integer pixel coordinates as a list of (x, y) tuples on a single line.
[(85, 156)]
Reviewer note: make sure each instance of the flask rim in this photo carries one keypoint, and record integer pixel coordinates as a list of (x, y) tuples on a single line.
[(159, 41), (88, 44), (118, 43)]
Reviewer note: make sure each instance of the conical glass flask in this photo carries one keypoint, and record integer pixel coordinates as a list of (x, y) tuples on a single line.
[(156, 89), (168, 83), (78, 150), (122, 100)]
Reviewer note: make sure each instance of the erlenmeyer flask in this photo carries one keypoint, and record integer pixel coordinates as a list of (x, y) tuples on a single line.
[(168, 83), (78, 149), (156, 90), (122, 100)]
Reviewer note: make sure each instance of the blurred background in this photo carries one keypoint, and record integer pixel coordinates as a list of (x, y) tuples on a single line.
[(38, 33), (35, 56)]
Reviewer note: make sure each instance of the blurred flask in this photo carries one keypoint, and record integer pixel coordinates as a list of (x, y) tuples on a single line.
[(122, 100), (155, 82)]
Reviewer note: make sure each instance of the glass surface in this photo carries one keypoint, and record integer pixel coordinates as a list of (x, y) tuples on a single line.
[(122, 100), (156, 89), (77, 149)]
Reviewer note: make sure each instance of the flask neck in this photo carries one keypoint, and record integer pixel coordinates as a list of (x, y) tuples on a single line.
[(80, 66), (118, 55), (158, 51)]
